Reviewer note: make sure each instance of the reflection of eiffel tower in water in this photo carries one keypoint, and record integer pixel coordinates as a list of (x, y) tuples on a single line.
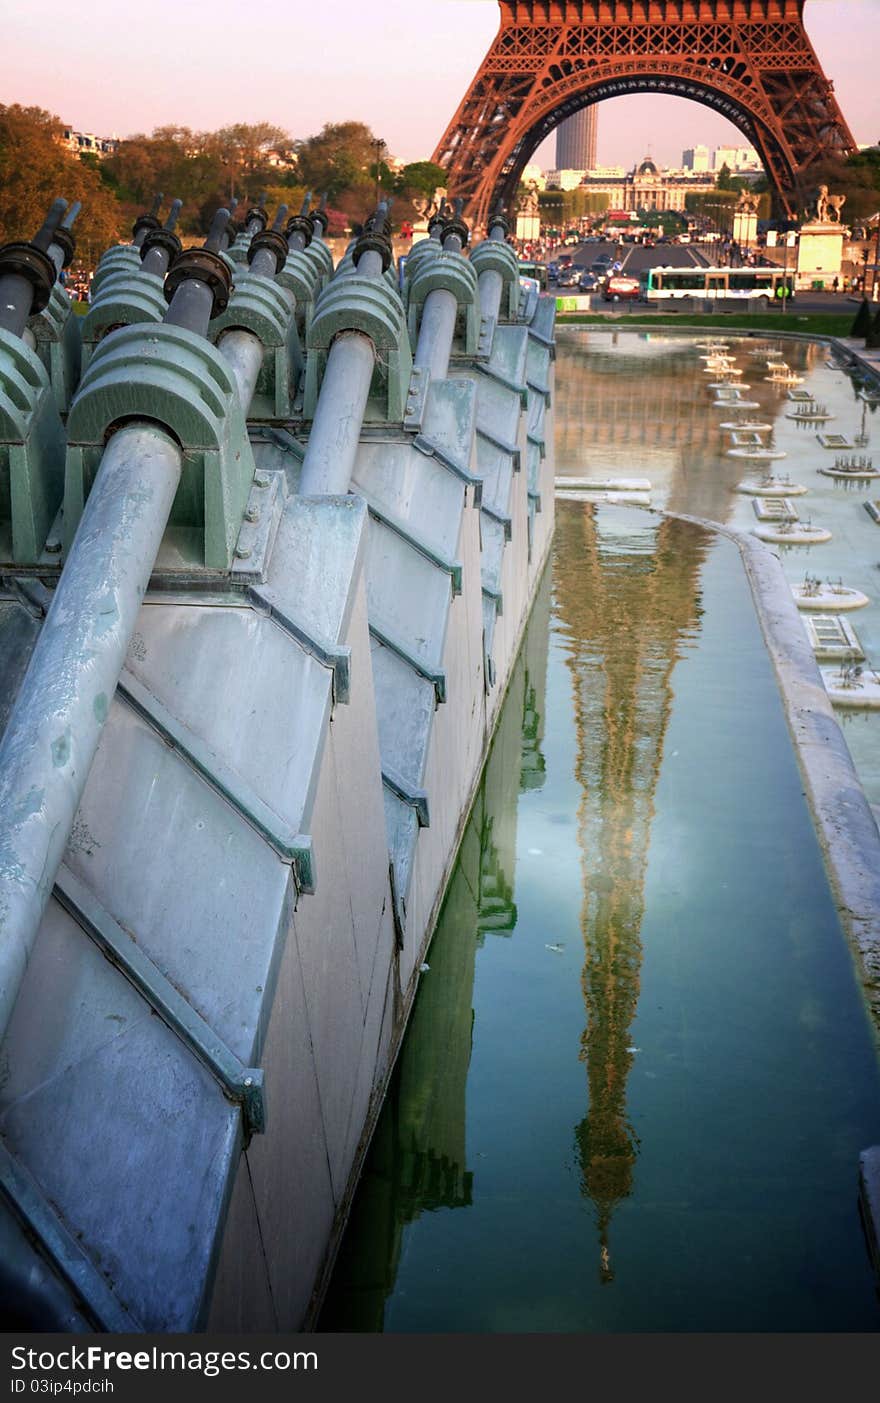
[(417, 1160), (627, 603)]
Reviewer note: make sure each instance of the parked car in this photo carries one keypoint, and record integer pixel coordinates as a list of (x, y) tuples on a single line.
[(568, 277), (622, 286)]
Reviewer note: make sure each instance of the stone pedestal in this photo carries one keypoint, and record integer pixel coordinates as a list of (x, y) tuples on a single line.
[(528, 227), (745, 228), (820, 254)]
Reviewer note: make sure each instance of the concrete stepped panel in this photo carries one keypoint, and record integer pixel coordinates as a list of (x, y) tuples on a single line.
[(107, 1110), (266, 714), (196, 886), (408, 595)]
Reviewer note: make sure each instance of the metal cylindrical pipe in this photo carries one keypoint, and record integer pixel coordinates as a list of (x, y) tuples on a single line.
[(263, 263), (59, 714), (16, 291), (244, 353), (138, 238), (491, 286), (16, 297), (491, 283), (437, 328), (191, 306), (156, 262), (55, 251), (369, 265), (436, 332), (158, 258), (333, 441)]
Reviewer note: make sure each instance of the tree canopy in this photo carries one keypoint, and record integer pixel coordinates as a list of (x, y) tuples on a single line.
[(35, 169)]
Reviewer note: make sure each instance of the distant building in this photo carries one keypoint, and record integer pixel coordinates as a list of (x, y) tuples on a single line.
[(736, 158), (646, 187), (696, 158), (81, 142), (576, 141), (564, 179)]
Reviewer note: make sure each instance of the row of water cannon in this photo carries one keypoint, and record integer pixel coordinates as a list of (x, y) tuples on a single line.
[(126, 452), (134, 282)]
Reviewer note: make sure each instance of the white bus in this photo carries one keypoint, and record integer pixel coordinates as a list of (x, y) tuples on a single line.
[(753, 286)]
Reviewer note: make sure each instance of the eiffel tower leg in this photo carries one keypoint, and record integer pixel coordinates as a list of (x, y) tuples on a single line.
[(751, 62)]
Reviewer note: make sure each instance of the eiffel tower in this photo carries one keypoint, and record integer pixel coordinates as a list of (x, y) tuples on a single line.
[(750, 60)]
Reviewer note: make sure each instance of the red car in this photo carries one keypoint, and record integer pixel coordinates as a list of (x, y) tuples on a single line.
[(622, 286)]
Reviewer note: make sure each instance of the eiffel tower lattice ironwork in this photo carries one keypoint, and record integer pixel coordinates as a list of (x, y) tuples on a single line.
[(750, 60)]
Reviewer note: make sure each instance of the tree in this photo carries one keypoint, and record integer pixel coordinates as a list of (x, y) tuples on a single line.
[(249, 157), (420, 177), (341, 158), (35, 169)]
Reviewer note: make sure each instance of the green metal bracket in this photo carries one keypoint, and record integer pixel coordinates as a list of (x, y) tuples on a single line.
[(319, 254), (259, 305), (302, 277), (368, 305), (58, 335), (448, 272), (176, 379), (122, 258), (31, 453), (123, 300), (423, 249), (239, 250)]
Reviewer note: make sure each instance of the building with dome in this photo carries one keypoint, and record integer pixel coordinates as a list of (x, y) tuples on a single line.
[(647, 187)]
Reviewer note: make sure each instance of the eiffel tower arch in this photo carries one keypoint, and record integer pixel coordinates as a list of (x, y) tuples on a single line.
[(750, 60)]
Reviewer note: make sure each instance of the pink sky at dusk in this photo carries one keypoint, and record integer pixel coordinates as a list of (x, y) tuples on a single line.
[(108, 69)]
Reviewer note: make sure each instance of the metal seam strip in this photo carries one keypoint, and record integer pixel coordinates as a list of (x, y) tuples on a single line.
[(79, 1271), (415, 798), (240, 1083), (452, 568), (517, 389), (430, 450), (332, 655), (284, 839), (436, 678), (511, 448), (501, 519)]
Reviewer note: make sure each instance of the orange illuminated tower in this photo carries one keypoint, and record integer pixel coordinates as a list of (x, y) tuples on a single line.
[(750, 60)]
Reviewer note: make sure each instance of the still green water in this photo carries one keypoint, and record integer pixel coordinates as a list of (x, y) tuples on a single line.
[(639, 1070)]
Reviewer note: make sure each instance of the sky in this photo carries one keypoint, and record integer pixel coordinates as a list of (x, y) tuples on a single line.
[(401, 66)]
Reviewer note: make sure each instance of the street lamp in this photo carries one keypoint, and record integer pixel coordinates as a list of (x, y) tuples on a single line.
[(380, 147)]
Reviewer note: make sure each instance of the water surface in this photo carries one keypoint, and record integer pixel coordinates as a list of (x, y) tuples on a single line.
[(639, 1070)]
